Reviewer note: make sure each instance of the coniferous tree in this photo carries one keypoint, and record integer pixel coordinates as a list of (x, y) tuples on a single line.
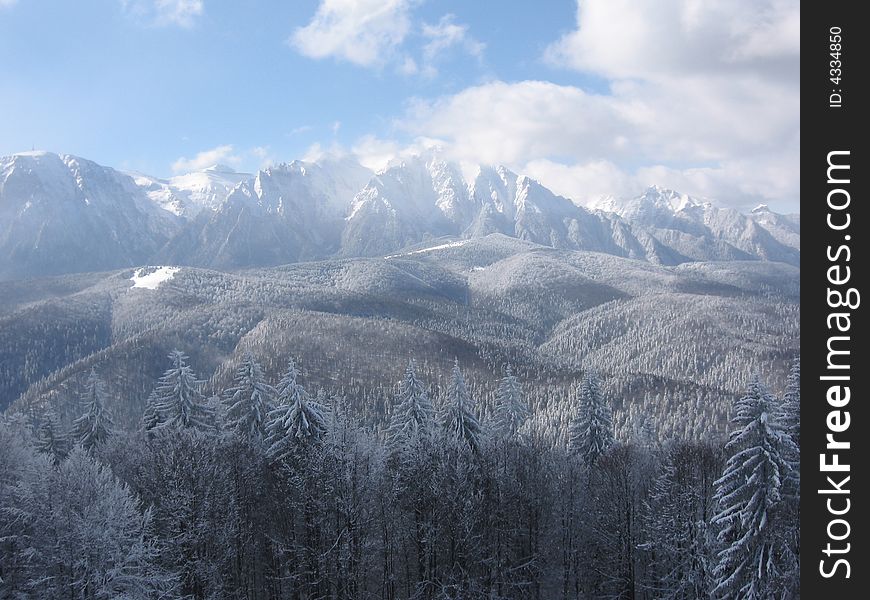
[(249, 401), (151, 415), (178, 399), (296, 418), (591, 432), (51, 439), (681, 504), (459, 419), (791, 420), (510, 408), (95, 425), (756, 556), (791, 402), (413, 415)]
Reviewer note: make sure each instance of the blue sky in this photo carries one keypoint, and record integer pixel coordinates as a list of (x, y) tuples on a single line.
[(604, 97)]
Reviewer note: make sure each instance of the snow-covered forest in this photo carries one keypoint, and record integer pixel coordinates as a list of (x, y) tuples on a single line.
[(274, 489)]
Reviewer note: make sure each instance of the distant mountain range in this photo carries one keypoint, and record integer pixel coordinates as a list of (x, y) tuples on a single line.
[(63, 214)]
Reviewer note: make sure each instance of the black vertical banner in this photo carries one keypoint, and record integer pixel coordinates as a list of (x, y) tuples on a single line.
[(835, 424)]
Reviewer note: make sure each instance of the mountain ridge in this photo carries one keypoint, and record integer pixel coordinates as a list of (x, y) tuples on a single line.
[(334, 207)]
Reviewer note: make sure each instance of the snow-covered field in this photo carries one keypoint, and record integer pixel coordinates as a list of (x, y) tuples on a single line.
[(153, 279)]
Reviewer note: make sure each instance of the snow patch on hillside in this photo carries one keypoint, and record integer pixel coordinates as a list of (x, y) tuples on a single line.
[(148, 279), (431, 248)]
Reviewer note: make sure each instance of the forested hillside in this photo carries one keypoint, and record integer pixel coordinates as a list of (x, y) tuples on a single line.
[(273, 490), (670, 340)]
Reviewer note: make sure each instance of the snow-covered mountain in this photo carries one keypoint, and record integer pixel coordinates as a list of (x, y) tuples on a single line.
[(699, 230), (407, 202), (784, 228), (64, 214), (186, 195), (286, 213), (519, 206), (61, 214)]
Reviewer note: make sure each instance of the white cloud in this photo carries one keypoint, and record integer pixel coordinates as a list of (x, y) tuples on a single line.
[(502, 122), (300, 129), (567, 137), (363, 32), (7, 3), (375, 153), (263, 156), (207, 158), (314, 153), (671, 38), (701, 95), (408, 66), (584, 182), (446, 35), (741, 184), (181, 13), (377, 33)]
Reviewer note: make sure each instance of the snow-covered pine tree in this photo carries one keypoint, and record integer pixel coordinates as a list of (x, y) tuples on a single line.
[(591, 432), (151, 416), (178, 399), (644, 434), (413, 414), (791, 489), (678, 513), (51, 439), (791, 402), (295, 419), (459, 419), (249, 401), (95, 425), (510, 408), (754, 530)]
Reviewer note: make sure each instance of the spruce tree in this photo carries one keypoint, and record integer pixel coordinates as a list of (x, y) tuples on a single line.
[(591, 432), (151, 416), (459, 419), (296, 418), (51, 439), (753, 527), (680, 536), (791, 402), (249, 401), (178, 399), (413, 415), (510, 409), (95, 425)]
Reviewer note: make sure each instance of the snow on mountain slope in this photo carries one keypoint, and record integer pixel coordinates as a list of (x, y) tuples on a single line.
[(652, 204), (405, 203), (786, 229), (323, 188), (64, 214), (520, 206), (444, 246), (286, 213), (186, 195), (700, 230), (150, 278)]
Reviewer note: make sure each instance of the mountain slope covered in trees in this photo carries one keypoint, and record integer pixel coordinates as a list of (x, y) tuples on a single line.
[(668, 339)]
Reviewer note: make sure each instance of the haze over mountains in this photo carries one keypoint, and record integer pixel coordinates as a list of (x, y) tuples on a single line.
[(63, 214)]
